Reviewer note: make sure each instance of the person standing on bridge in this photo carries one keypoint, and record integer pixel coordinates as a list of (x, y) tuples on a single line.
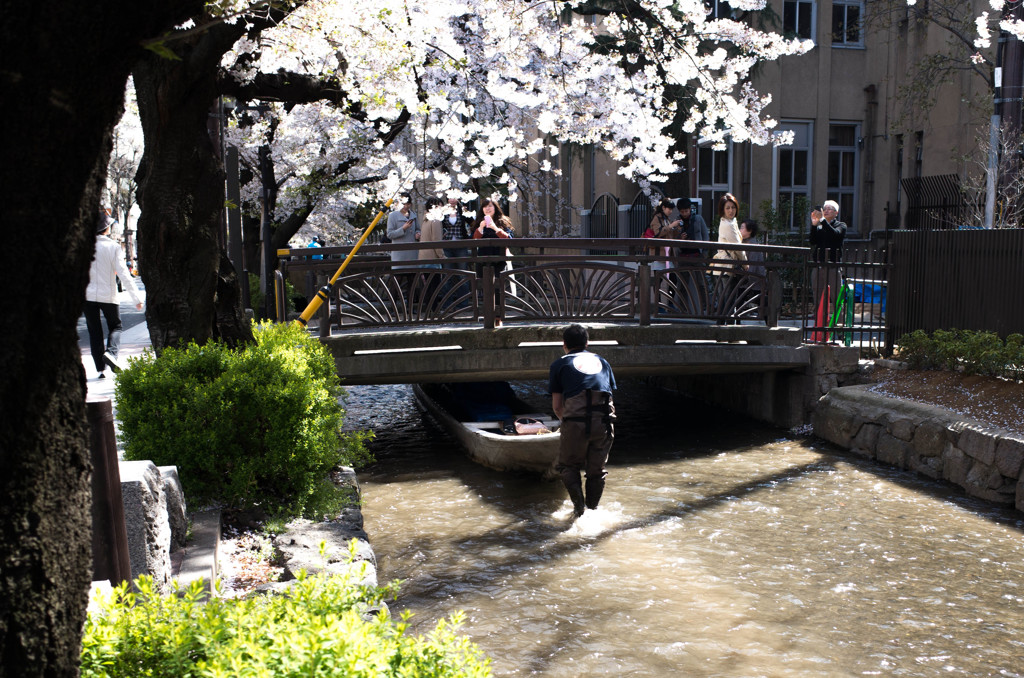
[(581, 385), (404, 227), (101, 297), (492, 223), (826, 240)]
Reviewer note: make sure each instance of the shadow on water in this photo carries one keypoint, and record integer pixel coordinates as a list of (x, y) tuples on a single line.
[(542, 544), (653, 425), (798, 518), (941, 490)]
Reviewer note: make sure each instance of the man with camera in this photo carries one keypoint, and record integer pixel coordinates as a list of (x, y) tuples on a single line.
[(403, 226), (691, 286)]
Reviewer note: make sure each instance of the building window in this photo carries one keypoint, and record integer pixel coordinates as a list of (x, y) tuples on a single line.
[(714, 179), (842, 171), (718, 9), (793, 174), (798, 18), (846, 23)]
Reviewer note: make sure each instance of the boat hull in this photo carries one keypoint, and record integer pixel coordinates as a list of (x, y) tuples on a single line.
[(486, 445)]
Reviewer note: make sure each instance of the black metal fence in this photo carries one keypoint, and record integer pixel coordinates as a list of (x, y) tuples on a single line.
[(937, 202), (969, 280), (843, 303)]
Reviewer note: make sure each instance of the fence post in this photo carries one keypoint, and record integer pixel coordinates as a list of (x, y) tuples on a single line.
[(643, 286), (773, 303), (280, 299), (325, 317), (622, 224), (585, 226), (488, 293), (110, 559)]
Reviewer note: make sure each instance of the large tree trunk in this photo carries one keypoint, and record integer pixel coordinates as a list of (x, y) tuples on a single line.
[(62, 79), (181, 194)]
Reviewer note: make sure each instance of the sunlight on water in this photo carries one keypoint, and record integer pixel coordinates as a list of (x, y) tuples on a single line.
[(721, 547), (593, 523)]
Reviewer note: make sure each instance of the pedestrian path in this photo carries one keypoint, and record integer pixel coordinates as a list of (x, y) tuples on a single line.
[(134, 342)]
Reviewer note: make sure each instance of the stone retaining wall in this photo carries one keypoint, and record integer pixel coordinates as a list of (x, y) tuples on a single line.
[(300, 544), (983, 460)]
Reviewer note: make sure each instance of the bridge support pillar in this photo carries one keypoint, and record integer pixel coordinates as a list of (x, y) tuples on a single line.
[(783, 398)]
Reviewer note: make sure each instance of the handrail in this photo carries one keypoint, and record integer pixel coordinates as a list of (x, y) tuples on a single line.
[(622, 244), (556, 279)]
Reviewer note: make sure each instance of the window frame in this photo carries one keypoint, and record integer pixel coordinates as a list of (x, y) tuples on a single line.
[(802, 189), (850, 216), (710, 193), (813, 36), (846, 4)]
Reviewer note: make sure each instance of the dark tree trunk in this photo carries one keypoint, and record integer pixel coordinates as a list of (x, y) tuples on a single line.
[(181, 194), (62, 79)]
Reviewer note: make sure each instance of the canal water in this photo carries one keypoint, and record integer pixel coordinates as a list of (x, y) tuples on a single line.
[(722, 548)]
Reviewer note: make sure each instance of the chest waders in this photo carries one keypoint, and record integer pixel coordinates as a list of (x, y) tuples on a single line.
[(570, 473), (603, 408)]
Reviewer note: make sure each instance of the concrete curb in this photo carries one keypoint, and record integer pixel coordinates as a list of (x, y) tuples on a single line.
[(200, 558)]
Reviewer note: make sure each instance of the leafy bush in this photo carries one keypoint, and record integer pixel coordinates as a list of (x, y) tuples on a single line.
[(317, 628), (259, 425), (256, 297), (965, 351)]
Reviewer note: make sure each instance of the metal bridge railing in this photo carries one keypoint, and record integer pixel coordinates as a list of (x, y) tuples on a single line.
[(559, 280)]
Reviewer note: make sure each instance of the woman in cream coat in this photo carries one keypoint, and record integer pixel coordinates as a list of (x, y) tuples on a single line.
[(728, 232)]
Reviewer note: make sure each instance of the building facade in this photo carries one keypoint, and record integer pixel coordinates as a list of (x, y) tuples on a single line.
[(865, 116)]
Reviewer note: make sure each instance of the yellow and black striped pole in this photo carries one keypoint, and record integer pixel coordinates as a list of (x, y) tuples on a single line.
[(324, 293)]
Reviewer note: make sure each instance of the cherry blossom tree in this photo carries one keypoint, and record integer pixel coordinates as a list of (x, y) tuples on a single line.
[(367, 98), (491, 85), (62, 81)]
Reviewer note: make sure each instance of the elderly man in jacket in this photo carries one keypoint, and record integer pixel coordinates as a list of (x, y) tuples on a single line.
[(101, 297)]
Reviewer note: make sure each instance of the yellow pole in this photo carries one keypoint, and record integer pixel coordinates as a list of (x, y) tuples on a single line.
[(324, 293)]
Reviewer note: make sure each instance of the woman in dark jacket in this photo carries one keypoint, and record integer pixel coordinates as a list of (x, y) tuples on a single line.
[(492, 223)]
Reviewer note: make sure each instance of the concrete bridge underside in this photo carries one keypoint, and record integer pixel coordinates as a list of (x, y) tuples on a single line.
[(447, 354)]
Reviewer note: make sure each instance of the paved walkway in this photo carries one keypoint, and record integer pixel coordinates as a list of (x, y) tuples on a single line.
[(134, 341)]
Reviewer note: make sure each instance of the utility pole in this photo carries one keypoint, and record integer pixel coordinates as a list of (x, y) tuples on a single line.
[(1005, 129)]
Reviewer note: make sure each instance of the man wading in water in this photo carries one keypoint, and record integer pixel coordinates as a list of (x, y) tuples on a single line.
[(581, 385)]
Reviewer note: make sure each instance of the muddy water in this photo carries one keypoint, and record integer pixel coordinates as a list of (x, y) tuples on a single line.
[(722, 548)]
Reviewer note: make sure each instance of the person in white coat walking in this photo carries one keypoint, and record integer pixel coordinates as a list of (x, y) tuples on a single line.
[(101, 297)]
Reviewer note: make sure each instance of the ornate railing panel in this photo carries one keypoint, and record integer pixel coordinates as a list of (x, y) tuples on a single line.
[(561, 291), (690, 290), (406, 296)]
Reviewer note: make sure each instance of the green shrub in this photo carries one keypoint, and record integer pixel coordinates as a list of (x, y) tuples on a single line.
[(256, 297), (918, 351), (317, 628), (255, 426), (965, 351)]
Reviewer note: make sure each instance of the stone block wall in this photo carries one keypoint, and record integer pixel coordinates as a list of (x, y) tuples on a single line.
[(935, 442), (154, 514)]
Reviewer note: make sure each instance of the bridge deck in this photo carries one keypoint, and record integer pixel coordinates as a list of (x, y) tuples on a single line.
[(441, 354)]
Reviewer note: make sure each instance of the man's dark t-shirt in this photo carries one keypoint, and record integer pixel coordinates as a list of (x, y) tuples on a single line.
[(575, 372)]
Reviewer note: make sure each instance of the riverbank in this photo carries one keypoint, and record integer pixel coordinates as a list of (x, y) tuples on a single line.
[(976, 454)]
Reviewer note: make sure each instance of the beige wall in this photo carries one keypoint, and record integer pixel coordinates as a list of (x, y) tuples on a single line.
[(835, 84)]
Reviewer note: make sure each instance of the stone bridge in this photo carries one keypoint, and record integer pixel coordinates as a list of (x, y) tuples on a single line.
[(695, 323)]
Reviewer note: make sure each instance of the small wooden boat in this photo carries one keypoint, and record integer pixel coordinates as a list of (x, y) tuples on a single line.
[(478, 415)]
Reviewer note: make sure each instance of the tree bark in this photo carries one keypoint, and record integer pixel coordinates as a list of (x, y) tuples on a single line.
[(62, 77), (181, 195)]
